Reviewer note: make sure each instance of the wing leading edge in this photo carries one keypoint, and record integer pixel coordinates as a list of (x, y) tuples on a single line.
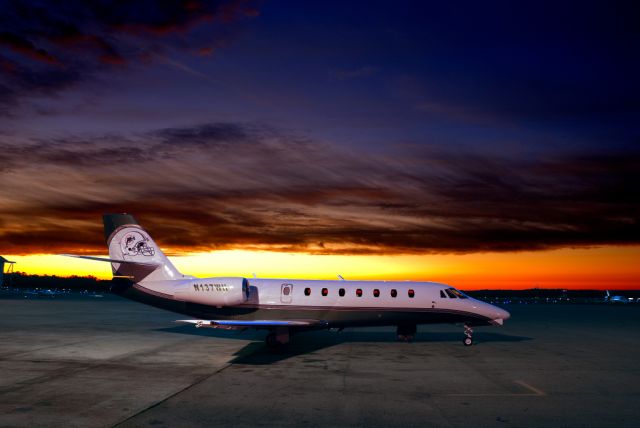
[(103, 259), (242, 324)]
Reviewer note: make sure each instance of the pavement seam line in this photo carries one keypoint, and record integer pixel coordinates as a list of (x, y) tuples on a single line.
[(533, 389), (168, 397), (73, 367), (535, 392)]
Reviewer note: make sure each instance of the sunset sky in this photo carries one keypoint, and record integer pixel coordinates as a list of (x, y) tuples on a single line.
[(485, 146)]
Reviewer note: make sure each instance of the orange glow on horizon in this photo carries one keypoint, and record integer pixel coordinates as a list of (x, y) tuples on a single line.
[(596, 268)]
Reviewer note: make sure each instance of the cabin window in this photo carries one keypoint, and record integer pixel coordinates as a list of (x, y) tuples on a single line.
[(359, 292), (325, 291), (450, 294), (411, 293), (394, 293), (286, 291), (307, 291), (444, 296), (376, 293), (341, 292)]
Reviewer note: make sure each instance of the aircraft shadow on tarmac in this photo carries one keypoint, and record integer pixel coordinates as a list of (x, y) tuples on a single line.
[(304, 343)]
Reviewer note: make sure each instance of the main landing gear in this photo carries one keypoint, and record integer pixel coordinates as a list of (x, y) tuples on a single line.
[(278, 337), (468, 335), (406, 332)]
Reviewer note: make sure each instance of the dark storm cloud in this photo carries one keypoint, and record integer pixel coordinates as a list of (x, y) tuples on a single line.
[(23, 46), (524, 60), (47, 47), (233, 185)]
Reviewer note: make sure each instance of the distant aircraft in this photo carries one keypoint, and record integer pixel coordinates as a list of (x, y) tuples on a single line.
[(282, 306), (608, 298)]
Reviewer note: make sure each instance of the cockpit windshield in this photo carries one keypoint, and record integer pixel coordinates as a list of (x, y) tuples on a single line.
[(456, 293)]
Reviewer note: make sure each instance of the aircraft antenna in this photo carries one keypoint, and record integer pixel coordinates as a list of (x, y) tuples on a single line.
[(340, 277)]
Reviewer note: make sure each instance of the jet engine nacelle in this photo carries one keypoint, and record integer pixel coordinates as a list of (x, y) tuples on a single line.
[(214, 291)]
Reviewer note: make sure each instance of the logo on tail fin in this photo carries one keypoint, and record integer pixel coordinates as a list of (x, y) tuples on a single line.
[(135, 243)]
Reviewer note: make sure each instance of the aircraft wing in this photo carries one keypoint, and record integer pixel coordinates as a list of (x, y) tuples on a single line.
[(242, 324), (104, 259)]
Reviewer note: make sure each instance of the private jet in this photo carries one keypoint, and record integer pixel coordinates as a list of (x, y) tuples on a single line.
[(283, 307), (608, 298)]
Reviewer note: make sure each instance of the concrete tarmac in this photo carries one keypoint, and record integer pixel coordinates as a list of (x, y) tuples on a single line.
[(104, 362)]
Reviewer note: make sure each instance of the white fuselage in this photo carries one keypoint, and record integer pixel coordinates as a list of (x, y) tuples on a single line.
[(325, 297)]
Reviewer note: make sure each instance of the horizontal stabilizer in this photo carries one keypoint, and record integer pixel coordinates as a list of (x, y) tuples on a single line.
[(104, 259), (239, 324)]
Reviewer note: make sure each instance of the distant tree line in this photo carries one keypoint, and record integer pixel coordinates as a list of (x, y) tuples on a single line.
[(54, 282), (91, 283), (554, 293)]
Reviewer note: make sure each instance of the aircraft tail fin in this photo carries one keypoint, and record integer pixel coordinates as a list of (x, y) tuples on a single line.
[(133, 253)]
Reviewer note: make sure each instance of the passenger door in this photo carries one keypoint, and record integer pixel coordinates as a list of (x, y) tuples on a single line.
[(286, 293)]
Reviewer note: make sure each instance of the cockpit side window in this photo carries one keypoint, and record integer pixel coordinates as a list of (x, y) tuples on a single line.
[(444, 296)]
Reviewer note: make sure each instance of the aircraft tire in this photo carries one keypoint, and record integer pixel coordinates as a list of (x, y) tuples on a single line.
[(467, 341), (408, 338), (272, 341)]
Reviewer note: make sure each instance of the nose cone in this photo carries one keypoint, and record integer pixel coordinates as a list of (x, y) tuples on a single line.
[(502, 314), (496, 315), (492, 314), (499, 315)]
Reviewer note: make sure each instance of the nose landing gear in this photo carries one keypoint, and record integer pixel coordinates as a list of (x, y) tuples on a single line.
[(468, 336)]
